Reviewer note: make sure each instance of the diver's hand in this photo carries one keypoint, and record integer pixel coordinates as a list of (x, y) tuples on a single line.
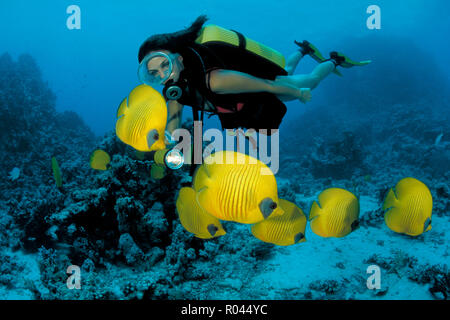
[(304, 95)]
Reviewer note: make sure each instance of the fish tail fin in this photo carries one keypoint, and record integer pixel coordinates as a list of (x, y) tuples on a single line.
[(186, 196), (122, 107), (391, 216), (427, 225), (202, 196), (317, 225), (390, 200), (314, 212)]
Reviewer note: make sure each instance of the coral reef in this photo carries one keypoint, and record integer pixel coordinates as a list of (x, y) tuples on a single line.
[(337, 159)]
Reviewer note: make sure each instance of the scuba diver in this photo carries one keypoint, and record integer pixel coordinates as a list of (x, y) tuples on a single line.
[(221, 72)]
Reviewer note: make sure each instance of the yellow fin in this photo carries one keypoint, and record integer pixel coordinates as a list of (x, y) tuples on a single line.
[(314, 212), (317, 225), (393, 219), (202, 197), (201, 177), (194, 218), (122, 107), (390, 201)]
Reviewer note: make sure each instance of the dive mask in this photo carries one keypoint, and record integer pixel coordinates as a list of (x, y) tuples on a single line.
[(161, 67)]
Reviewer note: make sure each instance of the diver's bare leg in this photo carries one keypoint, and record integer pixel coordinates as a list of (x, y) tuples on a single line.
[(293, 61), (310, 80)]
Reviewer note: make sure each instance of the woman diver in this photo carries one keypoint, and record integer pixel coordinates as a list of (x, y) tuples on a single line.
[(244, 89)]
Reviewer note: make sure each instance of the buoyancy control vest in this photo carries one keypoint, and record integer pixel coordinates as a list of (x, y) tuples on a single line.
[(219, 48)]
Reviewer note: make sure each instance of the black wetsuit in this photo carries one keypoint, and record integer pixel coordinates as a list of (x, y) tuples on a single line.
[(244, 110)]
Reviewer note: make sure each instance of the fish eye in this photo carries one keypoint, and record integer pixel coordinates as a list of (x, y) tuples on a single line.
[(273, 206)]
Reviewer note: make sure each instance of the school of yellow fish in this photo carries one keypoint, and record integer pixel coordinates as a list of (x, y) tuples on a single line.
[(232, 186), (240, 190)]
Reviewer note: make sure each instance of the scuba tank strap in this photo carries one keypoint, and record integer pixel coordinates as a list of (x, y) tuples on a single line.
[(242, 41)]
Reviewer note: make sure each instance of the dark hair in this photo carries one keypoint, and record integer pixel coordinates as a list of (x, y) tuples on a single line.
[(174, 41)]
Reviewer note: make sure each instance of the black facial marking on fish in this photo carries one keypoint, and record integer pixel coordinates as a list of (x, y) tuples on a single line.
[(298, 237), (212, 229), (355, 225), (266, 206), (152, 137)]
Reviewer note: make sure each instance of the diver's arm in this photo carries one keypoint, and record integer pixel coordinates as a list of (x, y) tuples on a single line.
[(175, 113), (229, 81)]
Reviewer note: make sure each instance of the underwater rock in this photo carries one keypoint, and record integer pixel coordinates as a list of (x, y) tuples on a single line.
[(338, 159), (9, 271), (154, 225), (329, 287), (288, 191), (437, 276), (372, 218), (88, 265), (129, 249), (381, 292)]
